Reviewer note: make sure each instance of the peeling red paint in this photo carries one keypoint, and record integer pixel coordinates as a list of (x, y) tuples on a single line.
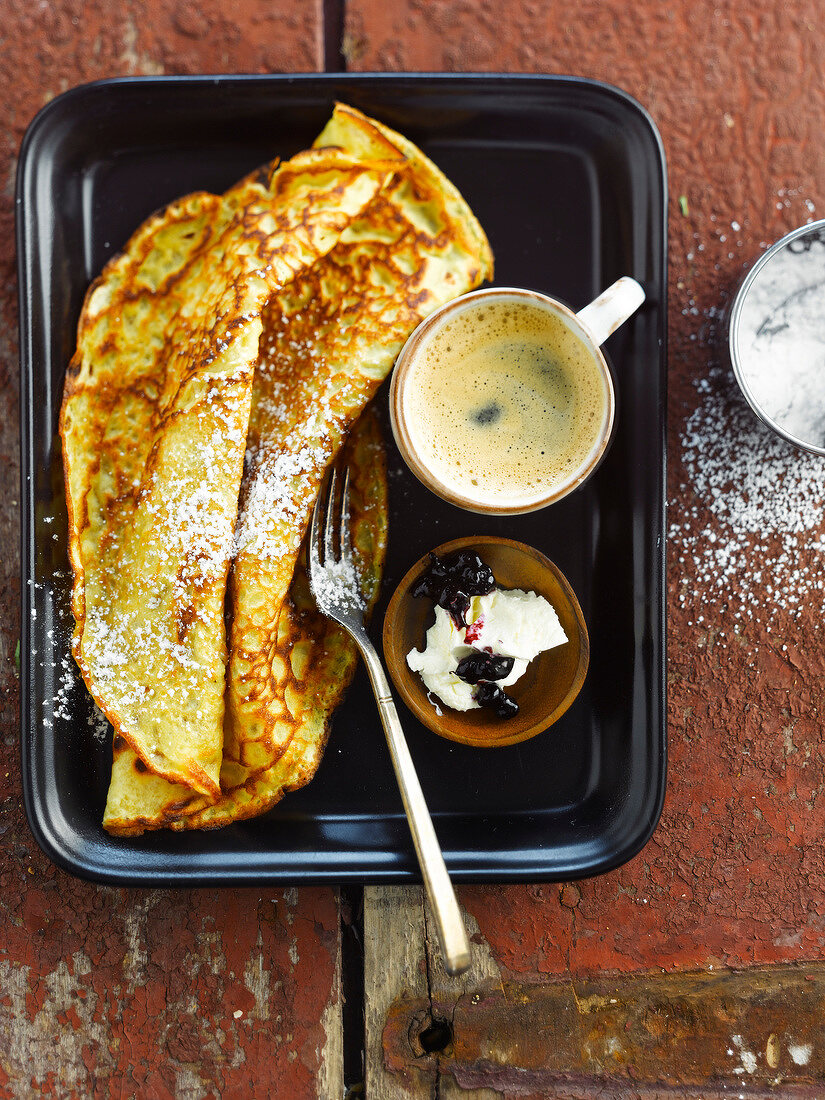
[(734, 875), (149, 984), (139, 988)]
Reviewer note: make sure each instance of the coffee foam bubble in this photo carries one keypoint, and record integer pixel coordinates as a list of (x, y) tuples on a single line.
[(504, 403)]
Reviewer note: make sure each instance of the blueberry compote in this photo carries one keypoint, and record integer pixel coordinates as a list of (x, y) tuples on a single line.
[(451, 582)]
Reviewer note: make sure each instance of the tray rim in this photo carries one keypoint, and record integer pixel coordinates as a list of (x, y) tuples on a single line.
[(203, 874)]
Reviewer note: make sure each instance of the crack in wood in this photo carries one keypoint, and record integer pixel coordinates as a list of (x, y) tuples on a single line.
[(334, 21), (351, 938), (436, 1089)]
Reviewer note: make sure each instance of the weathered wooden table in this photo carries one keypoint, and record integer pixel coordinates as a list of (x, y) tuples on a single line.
[(695, 969)]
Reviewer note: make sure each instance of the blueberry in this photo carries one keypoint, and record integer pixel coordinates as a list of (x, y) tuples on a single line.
[(483, 666), (491, 695)]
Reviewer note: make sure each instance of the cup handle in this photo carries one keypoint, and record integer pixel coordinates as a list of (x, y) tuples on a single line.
[(612, 308)]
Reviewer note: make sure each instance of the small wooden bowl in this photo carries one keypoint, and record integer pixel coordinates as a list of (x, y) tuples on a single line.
[(552, 680)]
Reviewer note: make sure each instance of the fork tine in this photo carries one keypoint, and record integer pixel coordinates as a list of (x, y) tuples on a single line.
[(329, 528), (314, 559), (344, 536)]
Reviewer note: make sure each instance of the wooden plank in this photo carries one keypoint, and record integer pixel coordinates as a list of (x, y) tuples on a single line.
[(107, 992), (395, 968), (403, 967), (330, 1081), (164, 993), (733, 877), (709, 1033)]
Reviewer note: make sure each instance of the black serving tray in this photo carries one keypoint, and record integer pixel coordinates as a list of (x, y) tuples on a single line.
[(568, 178)]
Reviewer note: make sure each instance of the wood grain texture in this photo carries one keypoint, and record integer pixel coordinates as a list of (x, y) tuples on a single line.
[(395, 968), (733, 876), (166, 993), (408, 991), (94, 978), (737, 95), (140, 993)]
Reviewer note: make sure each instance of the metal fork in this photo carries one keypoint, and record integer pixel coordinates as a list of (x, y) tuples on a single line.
[(335, 584)]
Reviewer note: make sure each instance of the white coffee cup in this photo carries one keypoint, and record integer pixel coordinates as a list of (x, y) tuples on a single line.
[(502, 402)]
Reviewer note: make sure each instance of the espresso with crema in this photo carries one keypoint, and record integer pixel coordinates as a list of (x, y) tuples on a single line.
[(505, 402)]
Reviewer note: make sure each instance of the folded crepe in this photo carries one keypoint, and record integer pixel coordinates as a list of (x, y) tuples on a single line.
[(315, 660), (154, 424), (329, 341)]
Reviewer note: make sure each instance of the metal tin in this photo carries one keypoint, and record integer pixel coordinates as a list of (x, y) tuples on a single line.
[(734, 321)]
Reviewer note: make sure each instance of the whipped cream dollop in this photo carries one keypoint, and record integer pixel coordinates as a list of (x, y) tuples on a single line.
[(509, 623)]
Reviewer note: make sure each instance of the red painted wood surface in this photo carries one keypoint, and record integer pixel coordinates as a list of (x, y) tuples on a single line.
[(734, 874), (127, 992)]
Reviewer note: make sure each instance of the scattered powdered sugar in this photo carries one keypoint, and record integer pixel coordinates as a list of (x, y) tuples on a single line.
[(110, 647), (800, 1053), (197, 517), (62, 705), (337, 585), (302, 399), (748, 1058), (98, 723), (747, 526), (187, 550), (65, 676)]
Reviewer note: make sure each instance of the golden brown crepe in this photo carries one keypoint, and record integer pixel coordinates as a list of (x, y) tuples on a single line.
[(329, 340), (154, 425), (315, 660)]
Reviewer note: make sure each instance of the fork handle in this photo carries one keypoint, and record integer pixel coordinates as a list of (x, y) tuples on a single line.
[(452, 934)]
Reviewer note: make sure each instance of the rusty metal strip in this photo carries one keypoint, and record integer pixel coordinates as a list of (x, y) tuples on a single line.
[(758, 1032)]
